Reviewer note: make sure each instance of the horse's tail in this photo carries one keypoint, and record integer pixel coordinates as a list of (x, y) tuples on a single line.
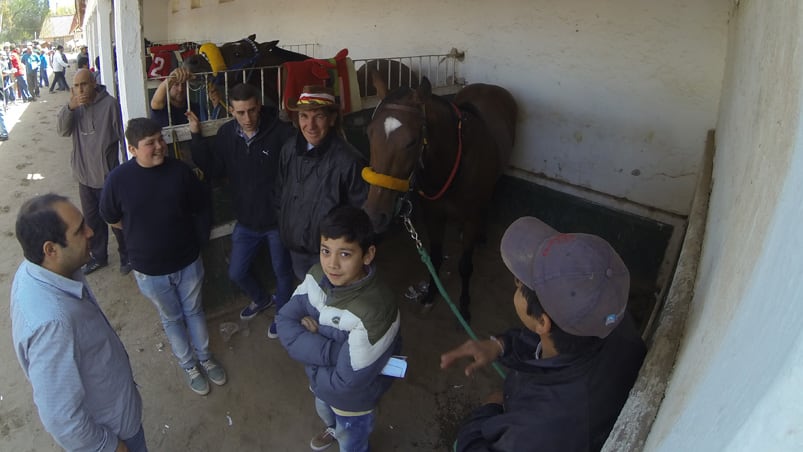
[(496, 107)]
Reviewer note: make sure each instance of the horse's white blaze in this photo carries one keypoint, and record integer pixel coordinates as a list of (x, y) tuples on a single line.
[(391, 124)]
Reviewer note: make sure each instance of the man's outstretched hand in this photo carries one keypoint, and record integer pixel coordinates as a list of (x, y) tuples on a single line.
[(482, 352)]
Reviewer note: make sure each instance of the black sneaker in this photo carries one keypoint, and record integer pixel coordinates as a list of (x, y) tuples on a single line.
[(93, 265), (126, 268), (272, 332), (3, 137), (253, 309)]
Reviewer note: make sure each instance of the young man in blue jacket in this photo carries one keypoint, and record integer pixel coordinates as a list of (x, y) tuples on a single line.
[(572, 366), (342, 323), (246, 152)]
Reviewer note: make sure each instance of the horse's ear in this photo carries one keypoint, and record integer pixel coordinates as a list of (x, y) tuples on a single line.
[(424, 91), (252, 37), (380, 84), (270, 44)]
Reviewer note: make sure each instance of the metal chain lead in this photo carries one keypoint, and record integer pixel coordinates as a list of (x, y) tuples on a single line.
[(405, 214), (413, 233)]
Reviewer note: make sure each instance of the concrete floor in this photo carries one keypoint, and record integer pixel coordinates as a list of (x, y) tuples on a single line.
[(266, 404)]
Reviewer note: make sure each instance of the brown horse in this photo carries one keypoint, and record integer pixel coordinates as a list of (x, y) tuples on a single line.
[(242, 57), (376, 77), (452, 154)]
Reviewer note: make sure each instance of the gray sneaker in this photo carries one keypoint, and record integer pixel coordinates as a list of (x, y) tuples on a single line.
[(197, 381), (214, 371)]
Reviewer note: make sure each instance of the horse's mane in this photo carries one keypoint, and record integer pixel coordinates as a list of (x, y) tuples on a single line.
[(397, 94), (288, 54)]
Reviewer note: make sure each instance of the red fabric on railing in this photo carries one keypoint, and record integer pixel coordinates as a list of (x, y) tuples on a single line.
[(302, 73)]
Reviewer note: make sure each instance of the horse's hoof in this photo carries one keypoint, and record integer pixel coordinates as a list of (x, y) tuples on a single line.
[(417, 292), (426, 308)]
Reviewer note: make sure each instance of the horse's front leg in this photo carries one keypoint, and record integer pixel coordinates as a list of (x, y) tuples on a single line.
[(435, 231), (466, 269), (436, 256), (472, 231)]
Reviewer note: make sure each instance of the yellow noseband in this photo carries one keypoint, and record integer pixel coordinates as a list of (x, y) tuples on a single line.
[(385, 181)]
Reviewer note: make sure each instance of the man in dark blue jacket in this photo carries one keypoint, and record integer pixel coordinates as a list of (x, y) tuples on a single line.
[(246, 151), (572, 366)]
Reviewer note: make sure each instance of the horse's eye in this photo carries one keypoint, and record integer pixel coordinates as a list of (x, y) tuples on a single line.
[(412, 143)]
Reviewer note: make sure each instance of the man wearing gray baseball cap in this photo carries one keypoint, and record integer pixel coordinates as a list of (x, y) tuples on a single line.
[(575, 360)]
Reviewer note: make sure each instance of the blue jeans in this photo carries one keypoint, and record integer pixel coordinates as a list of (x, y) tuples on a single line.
[(8, 88), (23, 87), (177, 296), (3, 130), (137, 442), (352, 432), (245, 243)]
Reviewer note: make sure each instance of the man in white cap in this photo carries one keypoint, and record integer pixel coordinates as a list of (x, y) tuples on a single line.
[(572, 366)]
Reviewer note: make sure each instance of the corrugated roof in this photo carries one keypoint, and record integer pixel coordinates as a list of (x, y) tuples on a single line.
[(56, 27)]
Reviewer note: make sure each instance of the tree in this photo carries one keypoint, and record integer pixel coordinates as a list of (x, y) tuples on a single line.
[(22, 19), (64, 10)]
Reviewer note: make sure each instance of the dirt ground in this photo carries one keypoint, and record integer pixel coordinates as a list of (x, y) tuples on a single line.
[(265, 406)]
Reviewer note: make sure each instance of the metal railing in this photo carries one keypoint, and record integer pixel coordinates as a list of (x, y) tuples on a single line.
[(442, 70), (310, 49)]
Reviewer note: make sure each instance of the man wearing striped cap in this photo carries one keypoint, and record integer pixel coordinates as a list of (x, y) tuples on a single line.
[(318, 171)]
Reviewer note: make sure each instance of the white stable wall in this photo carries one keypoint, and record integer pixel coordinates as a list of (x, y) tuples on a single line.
[(614, 96), (155, 14), (738, 382)]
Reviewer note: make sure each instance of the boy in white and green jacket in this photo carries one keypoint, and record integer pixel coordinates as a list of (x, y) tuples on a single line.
[(342, 323)]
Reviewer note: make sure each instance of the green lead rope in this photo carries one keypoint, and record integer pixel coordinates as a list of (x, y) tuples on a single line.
[(428, 262)]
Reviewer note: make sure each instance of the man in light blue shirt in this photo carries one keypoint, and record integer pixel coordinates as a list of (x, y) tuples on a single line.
[(82, 381)]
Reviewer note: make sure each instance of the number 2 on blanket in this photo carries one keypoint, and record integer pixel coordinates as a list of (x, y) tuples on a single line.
[(396, 367)]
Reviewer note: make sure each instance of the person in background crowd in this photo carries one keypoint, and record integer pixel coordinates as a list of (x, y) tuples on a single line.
[(59, 64), (9, 82), (31, 61), (83, 58), (3, 130), (44, 80), (19, 75)]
